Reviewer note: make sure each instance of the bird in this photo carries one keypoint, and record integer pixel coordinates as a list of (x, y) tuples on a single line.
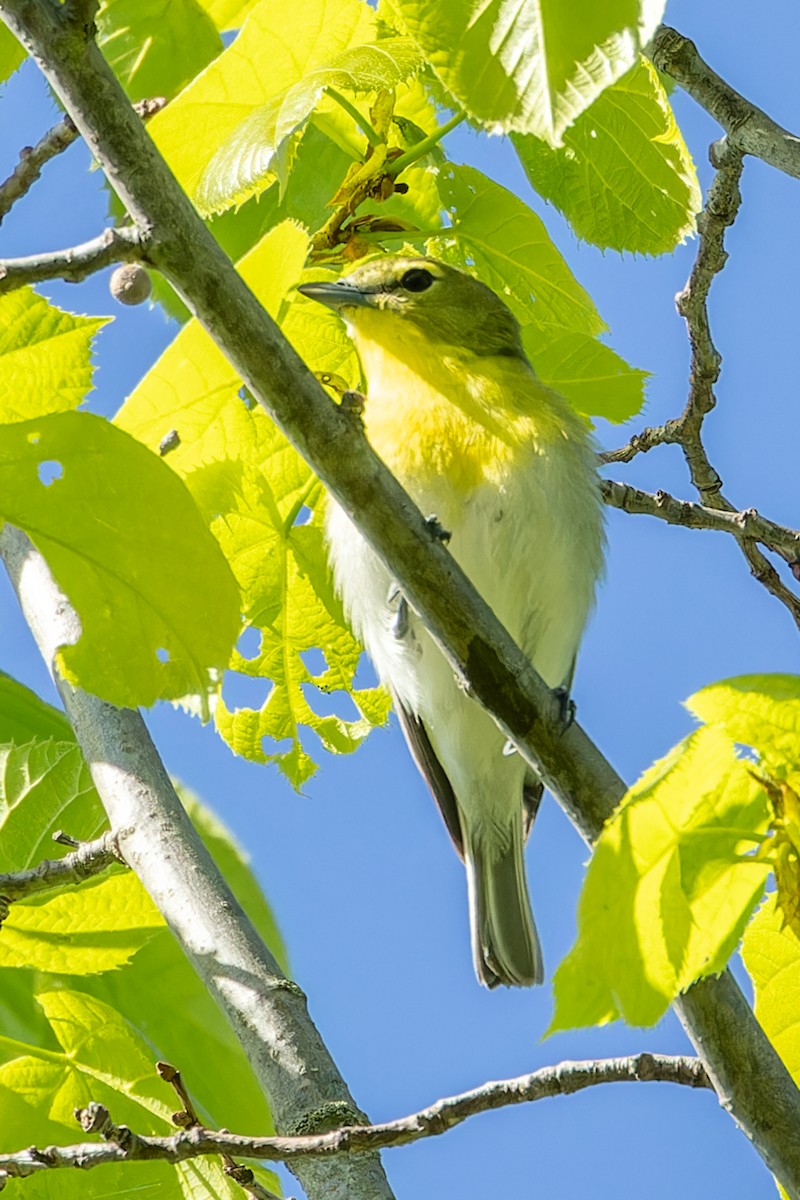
[(508, 469)]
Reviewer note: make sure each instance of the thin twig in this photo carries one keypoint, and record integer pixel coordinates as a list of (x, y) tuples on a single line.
[(187, 1119), (721, 207), (89, 859), (121, 1144), (32, 159), (112, 246), (748, 129), (745, 524)]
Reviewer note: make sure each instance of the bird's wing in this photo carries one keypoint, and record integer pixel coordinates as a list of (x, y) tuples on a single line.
[(432, 771), (532, 790)]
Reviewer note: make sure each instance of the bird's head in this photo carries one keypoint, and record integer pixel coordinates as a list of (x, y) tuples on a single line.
[(395, 299)]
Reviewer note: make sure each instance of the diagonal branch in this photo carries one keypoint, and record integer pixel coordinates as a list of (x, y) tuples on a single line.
[(112, 246), (122, 1145), (89, 859), (748, 1075)]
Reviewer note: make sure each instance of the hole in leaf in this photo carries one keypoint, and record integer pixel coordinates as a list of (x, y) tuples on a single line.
[(162, 655), (314, 661), (34, 438), (338, 703), (304, 515), (249, 643), (245, 691), (50, 471)]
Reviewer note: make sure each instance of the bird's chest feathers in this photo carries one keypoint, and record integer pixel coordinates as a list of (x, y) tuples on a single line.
[(434, 420)]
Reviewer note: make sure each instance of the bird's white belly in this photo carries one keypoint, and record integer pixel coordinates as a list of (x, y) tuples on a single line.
[(532, 546)]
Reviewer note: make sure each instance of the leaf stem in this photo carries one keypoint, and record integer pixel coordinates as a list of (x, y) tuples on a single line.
[(361, 121), (422, 148)]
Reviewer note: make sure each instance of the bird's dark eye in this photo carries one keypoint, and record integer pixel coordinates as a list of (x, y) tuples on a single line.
[(417, 280)]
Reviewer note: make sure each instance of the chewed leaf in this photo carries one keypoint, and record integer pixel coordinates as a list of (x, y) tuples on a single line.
[(246, 163), (256, 493)]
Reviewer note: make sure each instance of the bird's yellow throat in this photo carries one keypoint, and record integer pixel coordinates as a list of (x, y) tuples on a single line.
[(433, 410)]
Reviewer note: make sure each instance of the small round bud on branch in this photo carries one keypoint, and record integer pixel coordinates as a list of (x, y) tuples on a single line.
[(130, 284)]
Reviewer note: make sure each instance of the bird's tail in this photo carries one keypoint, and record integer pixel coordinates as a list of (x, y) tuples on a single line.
[(505, 944)]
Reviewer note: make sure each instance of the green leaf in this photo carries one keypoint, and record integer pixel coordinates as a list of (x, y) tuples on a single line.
[(592, 376), (512, 251), (527, 65), (623, 178), (156, 46), (762, 711), (191, 1029), (96, 926), (190, 130), (45, 356), (245, 163), (101, 1058), (665, 898), (771, 953), (227, 14), (505, 243), (157, 602), (11, 53), (24, 716), (194, 390), (252, 487), (44, 786)]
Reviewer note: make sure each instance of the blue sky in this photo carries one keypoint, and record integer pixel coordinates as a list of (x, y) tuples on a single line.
[(365, 886)]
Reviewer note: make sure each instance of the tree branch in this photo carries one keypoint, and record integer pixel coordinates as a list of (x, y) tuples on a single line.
[(765, 1102), (122, 1145), (156, 838), (126, 244), (745, 524), (89, 859), (748, 129), (32, 159), (722, 205)]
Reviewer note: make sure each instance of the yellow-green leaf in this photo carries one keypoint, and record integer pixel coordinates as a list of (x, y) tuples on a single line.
[(667, 893), (762, 711), (156, 46), (158, 605), (45, 356), (45, 785), (267, 57), (527, 65), (254, 488), (25, 716), (498, 236), (771, 953), (82, 930), (623, 178), (11, 53), (245, 163)]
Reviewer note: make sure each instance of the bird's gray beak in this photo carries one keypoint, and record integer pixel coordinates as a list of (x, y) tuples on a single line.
[(337, 294)]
